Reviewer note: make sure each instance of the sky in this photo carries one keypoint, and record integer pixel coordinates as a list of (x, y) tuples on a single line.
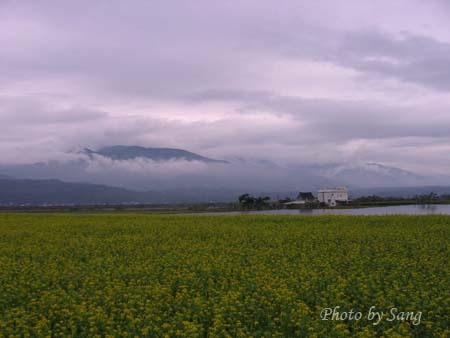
[(325, 81)]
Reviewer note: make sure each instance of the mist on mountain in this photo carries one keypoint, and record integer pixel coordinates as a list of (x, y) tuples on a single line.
[(151, 169)]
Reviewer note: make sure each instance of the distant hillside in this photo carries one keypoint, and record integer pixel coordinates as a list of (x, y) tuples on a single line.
[(35, 192), (25, 191), (373, 175), (58, 192), (400, 191), (120, 152), (142, 169)]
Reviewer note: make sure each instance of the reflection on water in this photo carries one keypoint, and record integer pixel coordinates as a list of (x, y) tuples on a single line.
[(306, 211), (420, 209), (428, 208)]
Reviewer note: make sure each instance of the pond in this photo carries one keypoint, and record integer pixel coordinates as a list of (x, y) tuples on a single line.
[(419, 209)]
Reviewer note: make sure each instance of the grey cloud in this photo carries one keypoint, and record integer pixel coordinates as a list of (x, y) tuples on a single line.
[(408, 57), (340, 119), (190, 54), (229, 95), (156, 49), (416, 59), (26, 110)]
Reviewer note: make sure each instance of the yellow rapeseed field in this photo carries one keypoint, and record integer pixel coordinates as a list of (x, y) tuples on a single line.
[(137, 275)]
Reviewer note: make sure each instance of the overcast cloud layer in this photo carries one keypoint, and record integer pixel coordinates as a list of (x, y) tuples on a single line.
[(292, 81)]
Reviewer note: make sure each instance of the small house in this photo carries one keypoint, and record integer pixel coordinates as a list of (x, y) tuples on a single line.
[(302, 198), (332, 196)]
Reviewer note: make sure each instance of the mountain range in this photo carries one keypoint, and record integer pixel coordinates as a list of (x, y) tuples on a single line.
[(121, 153), (56, 192), (373, 175), (126, 174)]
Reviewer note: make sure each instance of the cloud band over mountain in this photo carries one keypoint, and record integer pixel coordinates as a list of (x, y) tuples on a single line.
[(303, 82)]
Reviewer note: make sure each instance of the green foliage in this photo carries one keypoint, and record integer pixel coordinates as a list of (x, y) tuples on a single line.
[(431, 198), (247, 201), (132, 275)]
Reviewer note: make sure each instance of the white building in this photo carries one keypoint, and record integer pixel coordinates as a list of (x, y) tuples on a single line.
[(331, 196)]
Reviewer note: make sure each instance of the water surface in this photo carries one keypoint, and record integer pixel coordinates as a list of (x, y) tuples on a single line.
[(419, 209)]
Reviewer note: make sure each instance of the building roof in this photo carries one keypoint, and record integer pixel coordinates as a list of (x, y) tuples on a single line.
[(294, 202), (340, 189), (305, 196)]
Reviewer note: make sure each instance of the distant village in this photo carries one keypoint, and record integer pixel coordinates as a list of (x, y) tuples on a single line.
[(329, 197), (337, 197), (325, 197)]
